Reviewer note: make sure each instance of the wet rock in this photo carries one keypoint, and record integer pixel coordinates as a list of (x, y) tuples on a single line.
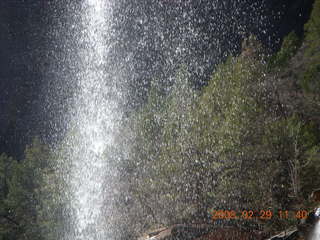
[(161, 233), (306, 226), (232, 233), (178, 232), (201, 232), (302, 231), (315, 196), (287, 235)]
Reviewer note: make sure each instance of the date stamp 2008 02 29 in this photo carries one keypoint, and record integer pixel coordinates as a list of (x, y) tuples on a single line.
[(260, 214)]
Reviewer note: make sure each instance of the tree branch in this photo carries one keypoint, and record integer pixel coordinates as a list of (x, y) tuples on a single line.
[(10, 220)]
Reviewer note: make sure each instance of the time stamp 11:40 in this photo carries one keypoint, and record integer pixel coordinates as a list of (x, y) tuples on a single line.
[(261, 214)]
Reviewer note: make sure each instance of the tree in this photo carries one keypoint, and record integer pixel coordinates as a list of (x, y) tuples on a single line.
[(8, 225), (232, 114), (312, 27), (23, 197), (289, 48)]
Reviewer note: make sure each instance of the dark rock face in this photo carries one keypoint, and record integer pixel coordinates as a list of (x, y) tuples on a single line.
[(201, 232)]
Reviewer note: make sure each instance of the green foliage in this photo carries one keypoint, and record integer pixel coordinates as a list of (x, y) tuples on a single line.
[(51, 205), (26, 195), (185, 152), (177, 158), (310, 171), (310, 161), (312, 28), (23, 197), (5, 176), (228, 147), (310, 80), (143, 135), (231, 119), (7, 227), (289, 48)]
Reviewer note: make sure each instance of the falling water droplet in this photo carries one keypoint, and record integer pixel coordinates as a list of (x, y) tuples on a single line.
[(316, 232), (91, 120)]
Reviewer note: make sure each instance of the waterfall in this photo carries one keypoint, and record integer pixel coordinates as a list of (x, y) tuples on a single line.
[(315, 234), (92, 117)]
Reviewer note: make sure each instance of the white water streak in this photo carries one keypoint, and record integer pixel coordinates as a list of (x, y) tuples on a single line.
[(92, 121), (316, 232)]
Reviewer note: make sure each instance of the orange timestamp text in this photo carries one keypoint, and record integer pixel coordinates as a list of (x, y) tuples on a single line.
[(261, 214)]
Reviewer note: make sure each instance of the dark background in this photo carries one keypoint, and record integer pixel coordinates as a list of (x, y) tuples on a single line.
[(153, 39)]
